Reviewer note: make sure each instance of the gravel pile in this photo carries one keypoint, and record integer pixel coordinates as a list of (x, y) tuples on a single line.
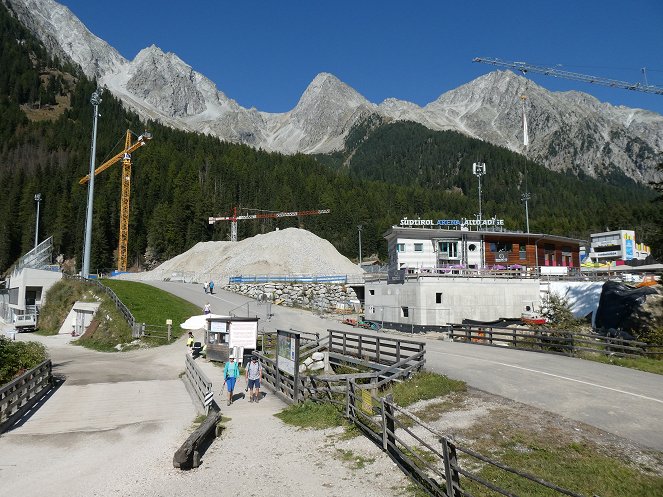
[(282, 252)]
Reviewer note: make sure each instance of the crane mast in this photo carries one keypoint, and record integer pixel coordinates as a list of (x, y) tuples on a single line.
[(125, 156), (524, 67), (263, 215)]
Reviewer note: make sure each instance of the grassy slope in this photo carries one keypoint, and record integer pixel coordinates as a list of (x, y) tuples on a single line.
[(151, 305), (148, 305)]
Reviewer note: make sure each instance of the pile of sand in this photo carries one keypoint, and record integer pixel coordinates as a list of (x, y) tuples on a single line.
[(281, 252)]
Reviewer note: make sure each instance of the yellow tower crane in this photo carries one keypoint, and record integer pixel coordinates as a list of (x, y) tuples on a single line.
[(125, 155)]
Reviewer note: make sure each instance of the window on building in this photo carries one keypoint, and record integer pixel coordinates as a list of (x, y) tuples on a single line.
[(522, 251), (372, 292), (405, 312), (472, 247), (448, 250), (438, 298), (501, 247), (418, 247), (400, 247)]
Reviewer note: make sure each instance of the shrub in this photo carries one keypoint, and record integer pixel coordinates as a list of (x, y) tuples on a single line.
[(18, 357)]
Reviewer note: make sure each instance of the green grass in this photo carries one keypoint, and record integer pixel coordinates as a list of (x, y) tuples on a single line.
[(59, 301), (147, 304), (424, 386), (641, 363), (353, 461), (574, 465), (151, 305), (312, 415)]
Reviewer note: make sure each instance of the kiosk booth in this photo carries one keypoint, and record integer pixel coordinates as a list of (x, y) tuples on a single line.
[(225, 334)]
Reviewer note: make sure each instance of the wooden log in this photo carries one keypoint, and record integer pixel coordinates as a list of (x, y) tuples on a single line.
[(188, 455)]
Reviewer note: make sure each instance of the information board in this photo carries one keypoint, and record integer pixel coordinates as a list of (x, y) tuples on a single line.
[(286, 349), (244, 334)]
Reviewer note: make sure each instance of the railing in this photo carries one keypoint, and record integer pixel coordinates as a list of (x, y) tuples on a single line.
[(433, 461), (390, 359), (19, 395), (202, 386), (157, 331), (37, 258), (289, 278), (553, 341)]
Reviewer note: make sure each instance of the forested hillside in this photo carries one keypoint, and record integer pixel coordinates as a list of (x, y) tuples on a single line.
[(180, 179)]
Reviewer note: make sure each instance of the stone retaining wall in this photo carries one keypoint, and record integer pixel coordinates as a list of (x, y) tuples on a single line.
[(320, 296)]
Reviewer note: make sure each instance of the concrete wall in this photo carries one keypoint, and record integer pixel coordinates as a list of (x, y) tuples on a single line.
[(483, 299)]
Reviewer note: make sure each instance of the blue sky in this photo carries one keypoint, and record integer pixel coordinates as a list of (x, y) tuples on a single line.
[(264, 53)]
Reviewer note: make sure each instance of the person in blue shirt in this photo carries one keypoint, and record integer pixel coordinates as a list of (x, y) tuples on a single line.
[(230, 375)]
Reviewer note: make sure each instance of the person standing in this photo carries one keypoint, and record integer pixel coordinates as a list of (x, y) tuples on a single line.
[(211, 287), (207, 309), (230, 375), (205, 286), (253, 378), (190, 340)]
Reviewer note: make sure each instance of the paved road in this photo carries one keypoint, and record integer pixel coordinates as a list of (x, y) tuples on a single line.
[(622, 401)]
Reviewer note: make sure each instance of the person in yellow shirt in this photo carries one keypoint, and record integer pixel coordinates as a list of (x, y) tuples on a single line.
[(190, 340)]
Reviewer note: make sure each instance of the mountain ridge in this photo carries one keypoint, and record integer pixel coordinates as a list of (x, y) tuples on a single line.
[(569, 131)]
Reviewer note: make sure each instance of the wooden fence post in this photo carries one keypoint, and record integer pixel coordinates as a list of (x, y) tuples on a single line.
[(451, 475), (169, 324), (348, 385), (384, 425), (389, 423)]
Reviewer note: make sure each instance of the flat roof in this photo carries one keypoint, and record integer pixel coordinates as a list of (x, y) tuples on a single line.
[(430, 233)]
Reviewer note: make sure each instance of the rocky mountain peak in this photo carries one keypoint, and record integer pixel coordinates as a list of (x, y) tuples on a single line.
[(67, 37), (567, 131)]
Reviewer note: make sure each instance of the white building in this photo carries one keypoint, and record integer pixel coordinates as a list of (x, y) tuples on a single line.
[(28, 283), (619, 245)]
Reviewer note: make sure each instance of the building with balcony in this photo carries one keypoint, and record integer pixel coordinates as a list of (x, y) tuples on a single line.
[(613, 246)]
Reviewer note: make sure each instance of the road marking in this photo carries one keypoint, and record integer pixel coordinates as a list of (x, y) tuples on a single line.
[(550, 374)]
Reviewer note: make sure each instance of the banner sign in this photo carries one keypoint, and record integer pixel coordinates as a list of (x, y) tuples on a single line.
[(457, 223)]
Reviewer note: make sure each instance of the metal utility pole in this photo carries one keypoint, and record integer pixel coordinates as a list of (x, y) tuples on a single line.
[(95, 100), (37, 199), (479, 169), (360, 227), (525, 197)]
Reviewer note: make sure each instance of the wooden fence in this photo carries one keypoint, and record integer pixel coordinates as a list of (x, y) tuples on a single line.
[(433, 461), (19, 395), (202, 386), (552, 341), (388, 359)]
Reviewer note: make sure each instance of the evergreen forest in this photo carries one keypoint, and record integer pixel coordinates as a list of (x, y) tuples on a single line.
[(180, 179)]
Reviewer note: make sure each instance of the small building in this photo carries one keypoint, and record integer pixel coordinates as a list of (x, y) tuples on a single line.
[(30, 279), (618, 245)]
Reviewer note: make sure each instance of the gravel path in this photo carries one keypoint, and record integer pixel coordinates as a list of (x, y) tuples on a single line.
[(113, 426)]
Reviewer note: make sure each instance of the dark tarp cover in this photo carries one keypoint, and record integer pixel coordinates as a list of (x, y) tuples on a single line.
[(617, 305)]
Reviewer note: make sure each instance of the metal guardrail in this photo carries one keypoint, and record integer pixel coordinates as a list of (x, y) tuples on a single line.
[(19, 395), (202, 386), (288, 278), (552, 341)]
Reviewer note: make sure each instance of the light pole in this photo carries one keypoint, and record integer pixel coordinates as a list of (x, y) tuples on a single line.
[(37, 199), (479, 169), (359, 228), (95, 100), (525, 197)]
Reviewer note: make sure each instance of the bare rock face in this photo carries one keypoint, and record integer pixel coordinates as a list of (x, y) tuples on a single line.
[(569, 131), (165, 82)]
